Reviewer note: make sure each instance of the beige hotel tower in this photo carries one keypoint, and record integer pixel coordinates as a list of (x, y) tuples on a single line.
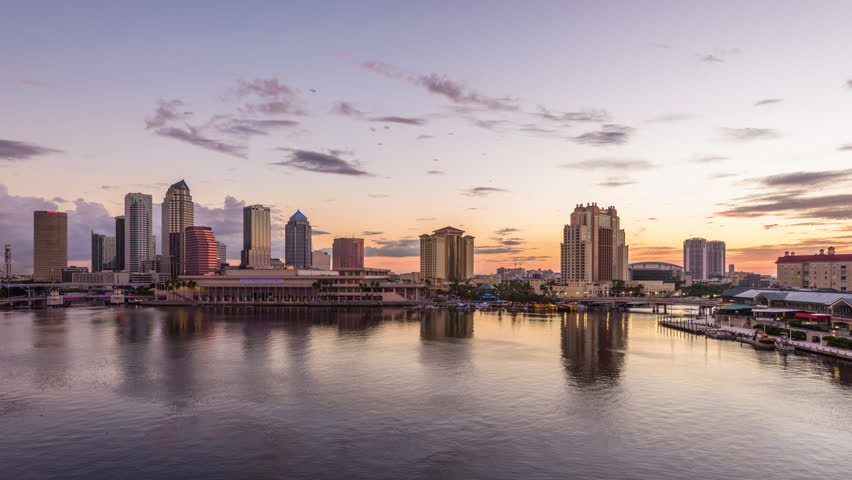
[(446, 256)]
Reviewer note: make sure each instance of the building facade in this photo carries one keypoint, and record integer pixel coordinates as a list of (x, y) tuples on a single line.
[(7, 261), (69, 272), (118, 265), (446, 256), (178, 214), (97, 252), (593, 246), (320, 260), (297, 241), (824, 270), (50, 245), (715, 259), (257, 237), (202, 251), (348, 253), (138, 235), (222, 255), (655, 271), (704, 260)]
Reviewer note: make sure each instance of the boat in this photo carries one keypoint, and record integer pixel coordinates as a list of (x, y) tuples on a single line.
[(55, 299), (116, 298), (759, 340), (784, 346), (720, 334)]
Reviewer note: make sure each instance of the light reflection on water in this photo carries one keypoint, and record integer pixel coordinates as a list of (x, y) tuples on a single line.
[(371, 393)]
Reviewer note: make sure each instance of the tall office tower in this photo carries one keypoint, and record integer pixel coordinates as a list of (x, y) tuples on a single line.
[(257, 237), (320, 260), (50, 245), (348, 253), (178, 213), (137, 231), (297, 241), (222, 254), (108, 253), (202, 251), (7, 260), (97, 252), (695, 258), (731, 269), (119, 244), (593, 246), (715, 259), (446, 256)]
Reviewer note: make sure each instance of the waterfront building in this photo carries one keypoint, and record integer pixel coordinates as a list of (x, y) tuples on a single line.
[(703, 260), (830, 310), (69, 272), (50, 245), (505, 274), (202, 251), (348, 253), (118, 265), (257, 237), (593, 246), (297, 241), (320, 260), (662, 271), (178, 213), (824, 270), (369, 286), (138, 237), (222, 255), (446, 256), (101, 278)]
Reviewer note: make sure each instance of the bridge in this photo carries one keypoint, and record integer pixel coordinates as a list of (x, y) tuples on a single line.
[(657, 304), (37, 299)]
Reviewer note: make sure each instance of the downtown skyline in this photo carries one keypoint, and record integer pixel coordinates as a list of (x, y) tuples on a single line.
[(498, 127)]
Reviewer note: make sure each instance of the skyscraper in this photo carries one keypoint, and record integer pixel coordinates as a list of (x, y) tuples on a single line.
[(202, 251), (118, 265), (446, 256), (221, 254), (593, 246), (703, 259), (257, 237), (97, 252), (50, 245), (137, 231), (178, 213), (108, 253), (7, 260), (297, 241), (348, 253)]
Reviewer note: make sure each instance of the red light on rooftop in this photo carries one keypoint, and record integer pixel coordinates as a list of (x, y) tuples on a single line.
[(53, 213)]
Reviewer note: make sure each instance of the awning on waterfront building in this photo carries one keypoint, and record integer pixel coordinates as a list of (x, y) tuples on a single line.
[(775, 310), (735, 307), (815, 316)]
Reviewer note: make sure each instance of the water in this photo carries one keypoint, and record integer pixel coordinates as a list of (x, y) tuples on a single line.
[(308, 393)]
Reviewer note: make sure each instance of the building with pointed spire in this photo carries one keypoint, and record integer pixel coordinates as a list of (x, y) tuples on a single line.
[(178, 214), (297, 241), (446, 256)]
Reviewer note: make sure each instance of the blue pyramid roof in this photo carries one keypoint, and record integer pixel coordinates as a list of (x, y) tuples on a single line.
[(298, 214)]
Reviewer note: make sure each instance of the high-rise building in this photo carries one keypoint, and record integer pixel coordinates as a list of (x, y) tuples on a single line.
[(824, 270), (593, 246), (257, 237), (97, 252), (7, 260), (320, 260), (50, 245), (108, 253), (137, 231), (178, 214), (703, 260), (297, 241), (348, 253), (222, 254), (446, 256), (67, 273), (202, 251), (118, 265), (715, 259)]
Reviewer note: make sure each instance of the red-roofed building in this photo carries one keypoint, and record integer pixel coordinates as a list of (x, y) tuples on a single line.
[(824, 270)]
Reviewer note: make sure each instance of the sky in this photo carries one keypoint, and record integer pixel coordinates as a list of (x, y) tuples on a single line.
[(386, 120)]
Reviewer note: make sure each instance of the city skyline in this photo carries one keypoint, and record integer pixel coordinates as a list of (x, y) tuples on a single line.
[(492, 136)]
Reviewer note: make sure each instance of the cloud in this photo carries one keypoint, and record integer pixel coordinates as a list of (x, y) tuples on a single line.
[(346, 109), (617, 182), (805, 179), (609, 164), (436, 84), (708, 159), (394, 248), (747, 134), (368, 233), (496, 250), (671, 118), (845, 148), (716, 176), (609, 134), (321, 163), (435, 172), (770, 226), (401, 120), (12, 150), (167, 111), (482, 191), (588, 115), (378, 195), (849, 84), (269, 88), (506, 231), (795, 205), (192, 136), (711, 59), (254, 127), (424, 137), (767, 101), (319, 232), (270, 95)]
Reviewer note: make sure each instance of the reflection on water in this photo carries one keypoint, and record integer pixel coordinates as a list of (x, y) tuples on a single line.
[(240, 392)]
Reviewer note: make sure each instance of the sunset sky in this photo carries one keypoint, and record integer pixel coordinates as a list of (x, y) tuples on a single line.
[(724, 120)]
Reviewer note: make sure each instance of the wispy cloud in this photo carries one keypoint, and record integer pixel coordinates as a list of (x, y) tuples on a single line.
[(709, 58), (806, 179), (767, 101), (320, 163), (393, 248), (609, 134), (617, 182), (748, 134), (12, 150), (254, 127), (482, 191), (268, 97), (588, 115), (609, 164), (845, 148), (401, 120), (192, 136), (435, 172), (671, 118), (368, 233), (346, 109), (704, 159)]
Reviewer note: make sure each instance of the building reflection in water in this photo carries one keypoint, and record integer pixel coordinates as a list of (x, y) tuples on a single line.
[(444, 324), (50, 335), (593, 346)]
